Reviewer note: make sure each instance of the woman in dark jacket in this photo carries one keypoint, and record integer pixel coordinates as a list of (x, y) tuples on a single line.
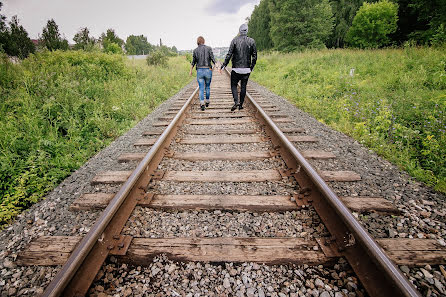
[(203, 57)]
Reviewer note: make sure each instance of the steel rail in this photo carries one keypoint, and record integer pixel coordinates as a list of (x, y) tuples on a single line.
[(391, 274), (77, 257)]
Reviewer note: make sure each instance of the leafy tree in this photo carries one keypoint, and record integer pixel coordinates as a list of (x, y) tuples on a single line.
[(296, 24), (430, 16), (137, 45), (344, 11), (3, 33), (174, 49), (51, 38), (259, 26), (108, 38), (157, 58), (373, 24), (18, 43), (113, 48), (83, 40)]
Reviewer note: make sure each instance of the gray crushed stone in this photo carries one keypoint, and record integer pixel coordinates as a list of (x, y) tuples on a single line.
[(53, 217)]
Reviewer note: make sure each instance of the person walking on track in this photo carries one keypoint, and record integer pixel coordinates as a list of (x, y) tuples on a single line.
[(203, 56), (244, 57)]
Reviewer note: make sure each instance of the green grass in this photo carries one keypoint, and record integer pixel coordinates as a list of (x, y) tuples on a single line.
[(57, 109), (394, 103)]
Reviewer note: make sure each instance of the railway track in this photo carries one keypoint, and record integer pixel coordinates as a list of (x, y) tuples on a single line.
[(251, 155)]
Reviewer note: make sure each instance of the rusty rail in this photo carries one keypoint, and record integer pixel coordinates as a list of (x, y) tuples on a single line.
[(377, 272), (95, 237)]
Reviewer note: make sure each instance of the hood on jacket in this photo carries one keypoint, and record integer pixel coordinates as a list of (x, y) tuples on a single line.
[(243, 29)]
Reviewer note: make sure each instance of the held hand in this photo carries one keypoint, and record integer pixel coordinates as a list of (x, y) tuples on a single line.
[(190, 73)]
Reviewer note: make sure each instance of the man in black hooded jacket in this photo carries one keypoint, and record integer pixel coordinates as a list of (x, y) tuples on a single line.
[(244, 57)]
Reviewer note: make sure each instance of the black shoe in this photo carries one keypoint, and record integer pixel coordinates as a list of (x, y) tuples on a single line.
[(202, 107), (234, 107), (207, 104), (240, 107)]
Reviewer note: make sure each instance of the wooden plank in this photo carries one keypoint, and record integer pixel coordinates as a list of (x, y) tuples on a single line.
[(145, 142), (310, 154), (414, 252), (220, 122), (55, 250), (92, 201), (223, 110), (340, 176), (222, 140), (366, 204), (220, 115), (223, 202), (220, 131), (210, 116), (226, 156), (223, 176), (161, 124), (226, 249), (111, 177), (151, 133), (127, 157), (304, 138), (48, 251)]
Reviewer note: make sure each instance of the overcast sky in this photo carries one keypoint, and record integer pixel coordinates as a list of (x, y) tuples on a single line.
[(177, 22)]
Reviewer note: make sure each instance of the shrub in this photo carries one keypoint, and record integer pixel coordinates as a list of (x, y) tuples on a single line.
[(373, 24), (394, 102), (157, 58), (113, 48), (57, 109)]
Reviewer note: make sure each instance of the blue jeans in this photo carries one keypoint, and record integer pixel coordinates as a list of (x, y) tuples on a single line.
[(204, 77)]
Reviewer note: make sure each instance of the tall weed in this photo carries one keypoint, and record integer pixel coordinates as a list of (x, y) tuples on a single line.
[(393, 100), (57, 109)]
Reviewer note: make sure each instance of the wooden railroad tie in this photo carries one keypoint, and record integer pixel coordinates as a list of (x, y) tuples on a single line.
[(55, 250), (224, 156), (117, 177), (274, 203)]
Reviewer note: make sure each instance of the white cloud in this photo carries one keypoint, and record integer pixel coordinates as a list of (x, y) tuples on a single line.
[(177, 23)]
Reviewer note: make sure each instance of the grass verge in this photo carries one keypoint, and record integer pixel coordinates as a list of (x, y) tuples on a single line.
[(392, 100), (57, 109)]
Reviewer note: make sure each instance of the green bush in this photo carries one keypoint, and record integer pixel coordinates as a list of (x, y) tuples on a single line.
[(157, 58), (394, 102), (113, 48), (373, 24), (57, 109)]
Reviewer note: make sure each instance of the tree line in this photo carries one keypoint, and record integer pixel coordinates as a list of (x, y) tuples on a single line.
[(288, 25), (14, 41)]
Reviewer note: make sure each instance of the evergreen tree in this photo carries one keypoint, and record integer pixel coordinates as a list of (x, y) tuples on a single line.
[(83, 40), (297, 24), (51, 38), (137, 45), (259, 26), (18, 43)]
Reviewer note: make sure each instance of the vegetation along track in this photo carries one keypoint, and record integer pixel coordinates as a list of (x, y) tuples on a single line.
[(249, 154)]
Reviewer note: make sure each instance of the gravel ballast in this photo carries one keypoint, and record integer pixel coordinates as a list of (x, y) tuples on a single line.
[(423, 216)]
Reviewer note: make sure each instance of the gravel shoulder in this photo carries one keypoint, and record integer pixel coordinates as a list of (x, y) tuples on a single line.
[(423, 216)]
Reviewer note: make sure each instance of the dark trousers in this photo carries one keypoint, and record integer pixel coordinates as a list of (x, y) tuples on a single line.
[(235, 78)]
